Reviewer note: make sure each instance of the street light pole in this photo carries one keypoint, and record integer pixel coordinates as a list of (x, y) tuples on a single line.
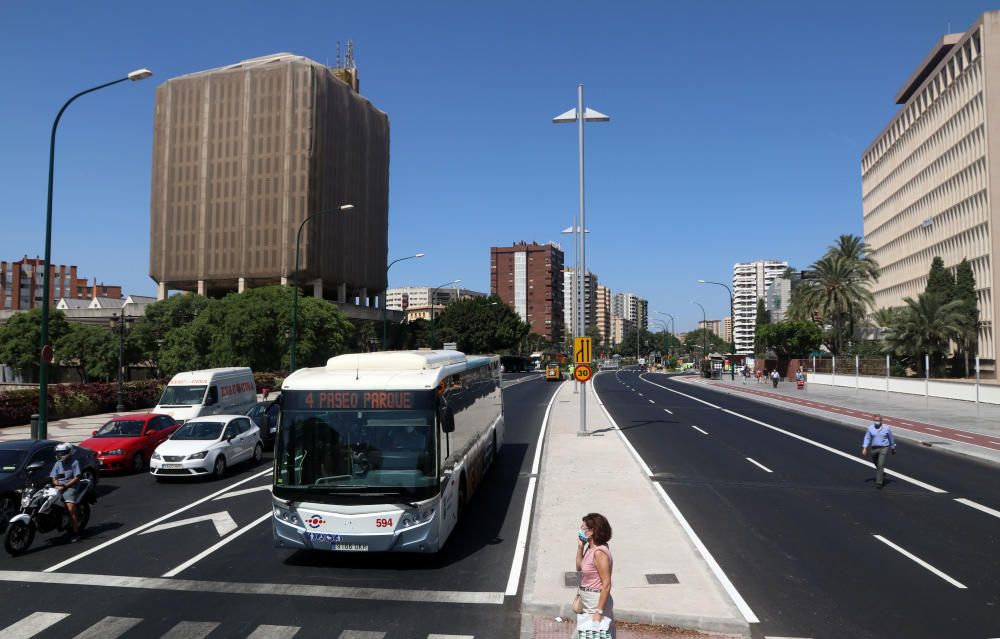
[(704, 332), (385, 322), (580, 116), (118, 325), (295, 298), (45, 351), (732, 320), (673, 327), (433, 326)]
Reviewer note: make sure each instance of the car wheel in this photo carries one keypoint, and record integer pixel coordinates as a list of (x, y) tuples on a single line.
[(258, 453), (138, 463), (220, 466)]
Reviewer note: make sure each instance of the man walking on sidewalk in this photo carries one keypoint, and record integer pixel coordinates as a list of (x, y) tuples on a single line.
[(879, 437)]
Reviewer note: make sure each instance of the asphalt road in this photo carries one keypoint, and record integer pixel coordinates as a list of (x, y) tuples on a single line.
[(189, 581), (797, 525)]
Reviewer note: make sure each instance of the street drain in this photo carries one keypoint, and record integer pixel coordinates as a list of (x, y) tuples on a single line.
[(662, 578), (571, 579)]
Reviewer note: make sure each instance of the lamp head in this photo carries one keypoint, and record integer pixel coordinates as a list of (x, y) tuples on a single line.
[(139, 74), (701, 281), (346, 207), (419, 255)]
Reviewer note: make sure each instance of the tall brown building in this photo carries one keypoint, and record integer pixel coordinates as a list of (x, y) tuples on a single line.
[(243, 154), (529, 277)]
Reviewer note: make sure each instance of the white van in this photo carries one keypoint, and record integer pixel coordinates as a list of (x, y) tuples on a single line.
[(216, 391)]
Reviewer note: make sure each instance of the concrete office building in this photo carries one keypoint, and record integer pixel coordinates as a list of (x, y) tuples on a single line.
[(750, 282), (570, 301), (529, 277), (243, 154), (929, 181)]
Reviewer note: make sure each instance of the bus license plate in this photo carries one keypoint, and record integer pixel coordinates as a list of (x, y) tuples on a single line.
[(171, 466), (351, 547)]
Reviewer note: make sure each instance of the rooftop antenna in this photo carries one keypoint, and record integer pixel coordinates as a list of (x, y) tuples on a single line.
[(349, 56), (338, 55)]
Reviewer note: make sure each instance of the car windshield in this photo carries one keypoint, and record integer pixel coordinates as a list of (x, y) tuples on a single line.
[(392, 452), (206, 431), (10, 461), (182, 396), (121, 428), (255, 410)]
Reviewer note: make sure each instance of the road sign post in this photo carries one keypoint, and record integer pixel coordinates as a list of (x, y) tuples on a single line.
[(582, 373)]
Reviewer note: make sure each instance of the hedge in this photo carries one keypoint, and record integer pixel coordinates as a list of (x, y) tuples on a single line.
[(74, 400)]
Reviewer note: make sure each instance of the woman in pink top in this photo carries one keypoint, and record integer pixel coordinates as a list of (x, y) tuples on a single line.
[(593, 561)]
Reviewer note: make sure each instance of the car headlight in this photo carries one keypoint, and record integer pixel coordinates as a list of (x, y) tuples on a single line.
[(117, 451), (156, 455), (200, 455), (286, 516)]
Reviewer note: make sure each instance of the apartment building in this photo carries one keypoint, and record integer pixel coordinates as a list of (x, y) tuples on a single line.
[(570, 301), (713, 326), (529, 277), (750, 282), (602, 313), (22, 283), (927, 185), (408, 297), (631, 307)]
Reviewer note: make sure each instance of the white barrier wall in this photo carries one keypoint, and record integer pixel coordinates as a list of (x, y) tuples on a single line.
[(988, 393)]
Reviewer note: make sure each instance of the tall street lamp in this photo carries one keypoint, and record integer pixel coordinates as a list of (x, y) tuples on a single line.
[(581, 115), (704, 332), (121, 324), (295, 299), (732, 325), (385, 322), (433, 294), (673, 327), (666, 329), (45, 350)]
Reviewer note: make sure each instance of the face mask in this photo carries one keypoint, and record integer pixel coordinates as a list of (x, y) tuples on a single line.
[(878, 424), (582, 536)]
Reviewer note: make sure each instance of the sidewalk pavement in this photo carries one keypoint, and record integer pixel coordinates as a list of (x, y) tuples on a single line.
[(598, 473), (952, 424)]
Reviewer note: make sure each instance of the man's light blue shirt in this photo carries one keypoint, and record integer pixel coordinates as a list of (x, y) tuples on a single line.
[(879, 436)]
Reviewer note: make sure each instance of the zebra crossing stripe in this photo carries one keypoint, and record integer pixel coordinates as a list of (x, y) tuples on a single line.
[(450, 637), (32, 625), (191, 630), (361, 634), (109, 628), (274, 632)]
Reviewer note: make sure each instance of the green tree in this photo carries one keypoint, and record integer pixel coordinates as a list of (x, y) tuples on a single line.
[(693, 340), (940, 281), (366, 337), (925, 326), (91, 350), (965, 292), (790, 338), (856, 251), (481, 325), (20, 336), (763, 319), (836, 294), (149, 334)]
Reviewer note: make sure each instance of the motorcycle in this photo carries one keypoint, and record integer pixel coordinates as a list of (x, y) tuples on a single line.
[(43, 510)]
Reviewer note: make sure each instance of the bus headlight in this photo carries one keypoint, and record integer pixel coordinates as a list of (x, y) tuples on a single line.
[(415, 517), (286, 516)]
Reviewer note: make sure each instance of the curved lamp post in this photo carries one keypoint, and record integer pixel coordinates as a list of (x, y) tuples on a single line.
[(385, 321), (732, 328), (295, 302), (704, 331), (434, 293), (45, 351), (673, 329), (121, 324)]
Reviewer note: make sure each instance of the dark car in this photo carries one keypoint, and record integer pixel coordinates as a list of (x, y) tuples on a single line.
[(265, 415), (25, 462)]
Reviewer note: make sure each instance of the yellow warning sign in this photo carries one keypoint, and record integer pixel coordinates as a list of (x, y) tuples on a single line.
[(582, 373), (582, 353)]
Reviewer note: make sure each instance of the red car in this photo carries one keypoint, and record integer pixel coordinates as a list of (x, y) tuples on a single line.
[(128, 441)]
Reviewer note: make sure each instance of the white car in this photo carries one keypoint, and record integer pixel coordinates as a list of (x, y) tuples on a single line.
[(207, 445)]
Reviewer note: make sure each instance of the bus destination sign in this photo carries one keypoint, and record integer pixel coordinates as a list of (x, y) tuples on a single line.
[(357, 400)]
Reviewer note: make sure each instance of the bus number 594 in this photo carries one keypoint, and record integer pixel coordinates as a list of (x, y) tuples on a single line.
[(383, 523)]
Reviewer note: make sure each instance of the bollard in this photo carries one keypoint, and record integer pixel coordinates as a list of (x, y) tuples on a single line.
[(34, 426)]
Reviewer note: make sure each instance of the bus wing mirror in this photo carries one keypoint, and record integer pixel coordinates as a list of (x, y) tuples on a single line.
[(447, 419)]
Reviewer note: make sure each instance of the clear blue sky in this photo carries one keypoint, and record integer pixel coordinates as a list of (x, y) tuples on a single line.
[(736, 131)]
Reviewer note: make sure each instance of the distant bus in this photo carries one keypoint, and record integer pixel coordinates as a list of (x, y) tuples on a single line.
[(382, 451)]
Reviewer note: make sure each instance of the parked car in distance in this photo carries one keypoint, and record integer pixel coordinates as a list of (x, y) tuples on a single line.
[(127, 442), (26, 462), (207, 445), (265, 415)]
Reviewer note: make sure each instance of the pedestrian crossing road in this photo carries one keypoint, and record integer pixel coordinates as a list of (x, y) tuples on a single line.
[(57, 624)]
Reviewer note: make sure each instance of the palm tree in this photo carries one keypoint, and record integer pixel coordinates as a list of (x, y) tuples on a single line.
[(835, 294), (926, 325), (858, 251)]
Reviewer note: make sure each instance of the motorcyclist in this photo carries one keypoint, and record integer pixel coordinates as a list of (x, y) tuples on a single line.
[(66, 479)]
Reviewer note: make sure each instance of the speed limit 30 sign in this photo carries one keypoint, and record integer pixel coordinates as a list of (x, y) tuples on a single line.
[(582, 373)]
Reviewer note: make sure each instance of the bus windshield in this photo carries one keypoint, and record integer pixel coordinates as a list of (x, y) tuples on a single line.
[(366, 453)]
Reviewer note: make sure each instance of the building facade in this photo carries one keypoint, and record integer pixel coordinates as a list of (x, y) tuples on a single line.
[(407, 297), (602, 313), (750, 282), (243, 155), (713, 326), (529, 277), (21, 285), (727, 328), (631, 307), (570, 302), (928, 180)]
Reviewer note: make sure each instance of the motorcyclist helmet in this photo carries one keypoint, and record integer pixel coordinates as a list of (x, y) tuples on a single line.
[(63, 451)]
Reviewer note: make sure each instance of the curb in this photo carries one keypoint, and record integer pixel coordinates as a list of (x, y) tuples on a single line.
[(698, 624)]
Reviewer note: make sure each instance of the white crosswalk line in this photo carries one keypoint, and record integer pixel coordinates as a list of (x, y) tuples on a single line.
[(361, 634), (109, 628), (191, 630), (451, 637), (32, 625), (274, 632)]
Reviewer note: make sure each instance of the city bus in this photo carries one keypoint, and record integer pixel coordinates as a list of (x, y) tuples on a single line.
[(379, 452)]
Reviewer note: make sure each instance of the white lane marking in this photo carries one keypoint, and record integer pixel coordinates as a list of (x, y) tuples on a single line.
[(727, 585), (640, 394), (920, 561), (208, 551), (245, 491), (829, 449), (32, 625), (985, 509), (936, 430), (274, 632), (651, 402), (759, 465), (451, 637), (703, 432), (148, 524), (963, 436), (246, 588), (522, 380), (191, 630), (109, 628), (223, 521), (667, 410), (774, 637), (993, 442), (513, 581), (360, 634)]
